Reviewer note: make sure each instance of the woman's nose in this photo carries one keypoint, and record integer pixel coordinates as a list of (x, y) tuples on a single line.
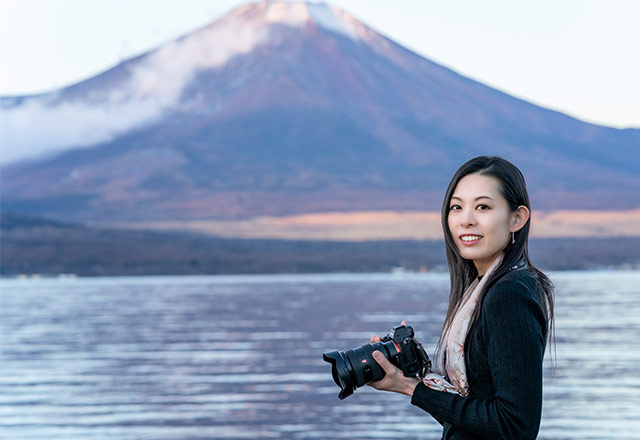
[(467, 219)]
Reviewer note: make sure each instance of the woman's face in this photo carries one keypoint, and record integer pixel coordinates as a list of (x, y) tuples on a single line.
[(480, 220)]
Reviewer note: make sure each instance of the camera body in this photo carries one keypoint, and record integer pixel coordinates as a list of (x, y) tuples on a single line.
[(355, 368), (412, 359)]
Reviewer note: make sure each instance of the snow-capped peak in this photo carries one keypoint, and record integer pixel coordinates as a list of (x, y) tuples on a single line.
[(297, 14)]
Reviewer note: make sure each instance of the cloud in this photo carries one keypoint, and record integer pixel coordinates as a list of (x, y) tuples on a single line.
[(35, 129)]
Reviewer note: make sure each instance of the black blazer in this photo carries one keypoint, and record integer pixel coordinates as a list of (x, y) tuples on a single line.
[(503, 357)]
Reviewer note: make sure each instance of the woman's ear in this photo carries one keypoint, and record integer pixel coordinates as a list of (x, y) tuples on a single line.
[(519, 218)]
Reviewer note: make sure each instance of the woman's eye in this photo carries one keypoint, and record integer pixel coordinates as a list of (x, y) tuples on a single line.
[(482, 207), (454, 208)]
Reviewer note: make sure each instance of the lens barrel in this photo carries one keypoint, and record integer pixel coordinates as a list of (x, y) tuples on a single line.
[(355, 368)]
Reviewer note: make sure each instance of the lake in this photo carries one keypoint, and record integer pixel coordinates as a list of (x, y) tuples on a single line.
[(235, 357)]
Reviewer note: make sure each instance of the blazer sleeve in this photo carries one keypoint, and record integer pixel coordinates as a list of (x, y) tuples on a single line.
[(514, 328)]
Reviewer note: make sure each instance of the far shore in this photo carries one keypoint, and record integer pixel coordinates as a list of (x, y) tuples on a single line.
[(395, 225)]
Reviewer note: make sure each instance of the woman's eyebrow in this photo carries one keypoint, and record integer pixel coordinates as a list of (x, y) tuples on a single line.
[(477, 198)]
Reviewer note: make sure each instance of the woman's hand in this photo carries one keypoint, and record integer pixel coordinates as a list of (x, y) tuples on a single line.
[(393, 380)]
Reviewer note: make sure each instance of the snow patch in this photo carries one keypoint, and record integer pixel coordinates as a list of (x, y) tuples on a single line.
[(291, 14), (298, 14), (332, 19)]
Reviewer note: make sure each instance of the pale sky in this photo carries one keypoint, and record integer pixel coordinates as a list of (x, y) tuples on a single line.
[(580, 57)]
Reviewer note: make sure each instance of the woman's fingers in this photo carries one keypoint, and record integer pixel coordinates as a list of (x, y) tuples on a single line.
[(404, 322), (383, 361)]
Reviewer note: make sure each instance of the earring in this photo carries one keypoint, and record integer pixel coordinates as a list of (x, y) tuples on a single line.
[(513, 238)]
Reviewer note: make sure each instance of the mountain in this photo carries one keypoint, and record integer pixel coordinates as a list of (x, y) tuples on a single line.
[(282, 108)]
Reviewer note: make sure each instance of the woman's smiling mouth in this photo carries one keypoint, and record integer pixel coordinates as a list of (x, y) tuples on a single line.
[(470, 239)]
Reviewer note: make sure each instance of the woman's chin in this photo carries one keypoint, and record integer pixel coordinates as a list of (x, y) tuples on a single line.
[(470, 254)]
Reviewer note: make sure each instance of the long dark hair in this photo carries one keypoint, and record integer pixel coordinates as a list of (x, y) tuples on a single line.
[(462, 271)]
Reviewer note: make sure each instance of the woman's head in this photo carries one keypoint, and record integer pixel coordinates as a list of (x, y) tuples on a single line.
[(485, 207), (485, 203)]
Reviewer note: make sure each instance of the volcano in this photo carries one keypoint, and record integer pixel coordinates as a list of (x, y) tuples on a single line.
[(282, 108)]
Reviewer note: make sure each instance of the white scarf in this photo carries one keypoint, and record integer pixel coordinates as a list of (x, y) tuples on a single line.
[(449, 373)]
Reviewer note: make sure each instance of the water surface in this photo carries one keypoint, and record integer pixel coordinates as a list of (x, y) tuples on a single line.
[(240, 356)]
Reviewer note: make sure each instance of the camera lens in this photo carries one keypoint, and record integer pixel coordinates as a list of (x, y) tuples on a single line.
[(355, 368)]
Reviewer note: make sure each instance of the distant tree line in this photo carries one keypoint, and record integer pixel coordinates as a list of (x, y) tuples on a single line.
[(30, 245)]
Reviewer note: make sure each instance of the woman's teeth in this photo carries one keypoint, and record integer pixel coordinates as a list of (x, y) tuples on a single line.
[(471, 238)]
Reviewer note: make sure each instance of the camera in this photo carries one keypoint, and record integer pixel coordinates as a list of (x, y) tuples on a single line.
[(355, 368)]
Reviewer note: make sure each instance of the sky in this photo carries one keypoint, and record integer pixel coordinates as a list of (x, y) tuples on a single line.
[(580, 57)]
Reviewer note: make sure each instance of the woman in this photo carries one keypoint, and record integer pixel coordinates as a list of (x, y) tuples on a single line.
[(487, 377)]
